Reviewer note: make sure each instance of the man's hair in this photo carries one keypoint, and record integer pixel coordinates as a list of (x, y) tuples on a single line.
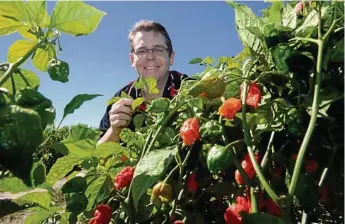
[(145, 25)]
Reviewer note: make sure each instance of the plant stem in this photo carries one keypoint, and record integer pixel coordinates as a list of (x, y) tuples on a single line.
[(171, 172), (254, 203), (312, 122), (304, 218), (268, 151)]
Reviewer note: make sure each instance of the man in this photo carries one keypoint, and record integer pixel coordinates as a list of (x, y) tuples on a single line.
[(151, 55)]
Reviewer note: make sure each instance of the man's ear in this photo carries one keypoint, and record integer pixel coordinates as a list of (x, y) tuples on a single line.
[(172, 57), (131, 58)]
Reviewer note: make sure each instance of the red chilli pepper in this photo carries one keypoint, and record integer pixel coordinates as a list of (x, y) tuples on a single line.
[(124, 178), (189, 131), (230, 107), (253, 96), (102, 215), (192, 184)]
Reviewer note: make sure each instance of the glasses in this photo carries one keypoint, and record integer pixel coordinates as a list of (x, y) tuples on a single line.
[(157, 51)]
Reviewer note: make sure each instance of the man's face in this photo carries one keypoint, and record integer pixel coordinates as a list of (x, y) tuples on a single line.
[(155, 62)]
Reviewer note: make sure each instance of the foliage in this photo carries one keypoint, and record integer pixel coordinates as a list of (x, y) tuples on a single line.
[(280, 153)]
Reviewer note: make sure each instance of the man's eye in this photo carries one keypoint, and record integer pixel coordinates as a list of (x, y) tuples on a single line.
[(143, 51)]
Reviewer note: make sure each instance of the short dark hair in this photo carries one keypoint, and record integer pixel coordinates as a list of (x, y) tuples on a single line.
[(146, 25)]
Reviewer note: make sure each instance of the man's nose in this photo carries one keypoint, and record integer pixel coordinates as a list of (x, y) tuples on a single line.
[(150, 54)]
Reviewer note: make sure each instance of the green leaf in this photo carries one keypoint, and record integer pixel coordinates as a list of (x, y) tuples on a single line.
[(243, 55), (276, 13), (13, 185), (159, 105), (98, 190), (261, 218), (42, 57), (76, 184), (41, 215), (337, 53), (125, 95), (289, 17), (195, 103), (137, 102), (76, 102), (196, 61), (8, 26), (244, 17), (35, 11), (27, 33), (38, 173), (61, 167), (139, 84), (76, 202), (109, 148), (311, 21), (75, 17), (280, 54), (207, 61), (135, 139), (43, 199), (138, 120), (18, 49), (80, 142), (151, 83), (113, 100), (28, 78), (9, 9), (149, 170)]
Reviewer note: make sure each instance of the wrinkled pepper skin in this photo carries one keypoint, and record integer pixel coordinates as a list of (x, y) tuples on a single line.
[(162, 193), (219, 158), (211, 129), (189, 131)]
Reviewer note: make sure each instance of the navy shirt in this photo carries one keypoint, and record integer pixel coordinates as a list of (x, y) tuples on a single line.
[(170, 90)]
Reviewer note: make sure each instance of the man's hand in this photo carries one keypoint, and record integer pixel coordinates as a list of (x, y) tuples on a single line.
[(120, 113)]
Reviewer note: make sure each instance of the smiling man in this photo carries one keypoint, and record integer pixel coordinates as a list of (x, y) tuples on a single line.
[(151, 55)]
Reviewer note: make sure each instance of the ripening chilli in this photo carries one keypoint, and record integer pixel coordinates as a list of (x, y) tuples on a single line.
[(189, 131)]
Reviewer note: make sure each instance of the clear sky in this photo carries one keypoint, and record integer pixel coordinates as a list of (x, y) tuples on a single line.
[(99, 62)]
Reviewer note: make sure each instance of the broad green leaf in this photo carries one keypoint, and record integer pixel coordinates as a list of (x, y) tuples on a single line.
[(80, 142), (243, 55), (9, 9), (13, 185), (196, 61), (76, 184), (261, 218), (27, 33), (159, 105), (18, 49), (42, 57), (151, 84), (8, 26), (230, 62), (75, 17), (337, 53), (232, 89), (41, 215), (149, 170), (68, 217), (195, 103), (35, 11), (76, 102), (38, 173), (311, 21), (23, 80), (76, 202), (138, 120), (113, 100), (137, 102), (109, 148), (276, 13), (289, 17), (244, 17), (154, 91), (98, 190), (61, 167), (280, 54), (43, 199)]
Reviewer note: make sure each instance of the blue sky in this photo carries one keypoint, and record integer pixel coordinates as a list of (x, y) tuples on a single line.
[(99, 62)]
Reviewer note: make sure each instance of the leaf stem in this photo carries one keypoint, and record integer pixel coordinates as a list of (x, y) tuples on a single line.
[(268, 151), (254, 203)]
